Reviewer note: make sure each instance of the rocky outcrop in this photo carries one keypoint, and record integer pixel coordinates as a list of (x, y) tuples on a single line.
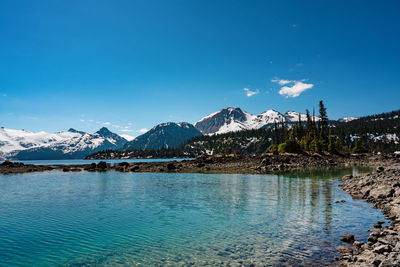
[(382, 188), (258, 164), (17, 167)]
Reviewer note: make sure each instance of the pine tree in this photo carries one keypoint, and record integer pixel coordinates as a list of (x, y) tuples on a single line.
[(323, 122)]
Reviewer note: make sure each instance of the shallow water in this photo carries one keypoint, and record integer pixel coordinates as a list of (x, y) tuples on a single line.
[(170, 219)]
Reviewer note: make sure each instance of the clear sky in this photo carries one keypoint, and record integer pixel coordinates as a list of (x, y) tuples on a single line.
[(130, 64)]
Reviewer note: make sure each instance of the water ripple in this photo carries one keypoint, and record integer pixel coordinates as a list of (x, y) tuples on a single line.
[(138, 219)]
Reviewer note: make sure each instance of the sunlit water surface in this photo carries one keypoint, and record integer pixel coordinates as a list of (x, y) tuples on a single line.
[(169, 219)]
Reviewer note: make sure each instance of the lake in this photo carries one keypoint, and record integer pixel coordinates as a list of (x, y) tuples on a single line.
[(177, 219), (89, 161)]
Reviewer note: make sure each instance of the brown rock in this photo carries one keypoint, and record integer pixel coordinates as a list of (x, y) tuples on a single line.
[(348, 239)]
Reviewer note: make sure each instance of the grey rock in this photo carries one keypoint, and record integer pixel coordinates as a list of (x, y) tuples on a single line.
[(382, 248)]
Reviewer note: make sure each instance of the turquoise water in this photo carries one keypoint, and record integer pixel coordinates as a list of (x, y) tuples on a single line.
[(89, 161), (169, 219)]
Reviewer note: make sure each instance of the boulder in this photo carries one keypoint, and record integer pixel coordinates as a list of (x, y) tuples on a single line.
[(102, 165), (123, 164), (171, 167), (381, 191), (382, 248), (380, 169), (348, 239)]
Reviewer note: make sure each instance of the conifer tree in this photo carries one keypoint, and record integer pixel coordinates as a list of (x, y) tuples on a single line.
[(323, 122)]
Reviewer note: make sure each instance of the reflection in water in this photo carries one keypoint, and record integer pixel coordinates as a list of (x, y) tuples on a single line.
[(150, 219)]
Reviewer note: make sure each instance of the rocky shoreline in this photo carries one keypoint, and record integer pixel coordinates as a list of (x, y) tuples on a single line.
[(382, 188), (265, 163)]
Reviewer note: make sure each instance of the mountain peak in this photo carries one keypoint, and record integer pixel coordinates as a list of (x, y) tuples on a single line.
[(164, 135), (230, 109), (72, 130), (235, 119), (105, 132)]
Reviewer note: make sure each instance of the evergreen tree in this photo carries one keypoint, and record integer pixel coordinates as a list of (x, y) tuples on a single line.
[(323, 122)]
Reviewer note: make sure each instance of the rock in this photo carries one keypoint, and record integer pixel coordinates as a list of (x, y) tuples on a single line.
[(380, 169), (382, 191), (265, 161), (376, 262), (390, 262), (9, 164), (200, 165), (123, 164), (209, 160), (102, 165), (340, 201), (358, 244), (345, 250), (66, 170), (346, 177), (381, 249), (348, 239), (171, 167), (135, 168)]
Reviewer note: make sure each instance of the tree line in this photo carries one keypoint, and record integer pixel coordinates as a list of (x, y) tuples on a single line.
[(315, 134)]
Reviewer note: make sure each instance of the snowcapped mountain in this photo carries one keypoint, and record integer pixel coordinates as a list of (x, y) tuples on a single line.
[(72, 144), (235, 119), (347, 119), (165, 135)]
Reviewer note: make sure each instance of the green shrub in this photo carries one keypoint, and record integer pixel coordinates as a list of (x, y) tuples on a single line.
[(272, 149), (290, 146)]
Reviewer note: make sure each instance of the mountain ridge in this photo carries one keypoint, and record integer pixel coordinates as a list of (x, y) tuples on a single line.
[(71, 144), (164, 135), (232, 119)]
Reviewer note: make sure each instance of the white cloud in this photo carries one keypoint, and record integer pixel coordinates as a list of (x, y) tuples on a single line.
[(106, 123), (126, 130), (250, 93), (293, 88), (281, 82)]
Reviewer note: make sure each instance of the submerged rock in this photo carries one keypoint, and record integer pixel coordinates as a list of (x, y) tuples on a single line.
[(348, 239)]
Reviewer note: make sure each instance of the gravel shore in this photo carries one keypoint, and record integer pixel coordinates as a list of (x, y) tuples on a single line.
[(382, 188)]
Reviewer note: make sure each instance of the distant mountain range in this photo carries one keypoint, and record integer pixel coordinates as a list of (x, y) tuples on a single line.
[(74, 144)]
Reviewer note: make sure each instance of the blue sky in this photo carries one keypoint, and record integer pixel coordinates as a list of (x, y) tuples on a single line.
[(130, 65)]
